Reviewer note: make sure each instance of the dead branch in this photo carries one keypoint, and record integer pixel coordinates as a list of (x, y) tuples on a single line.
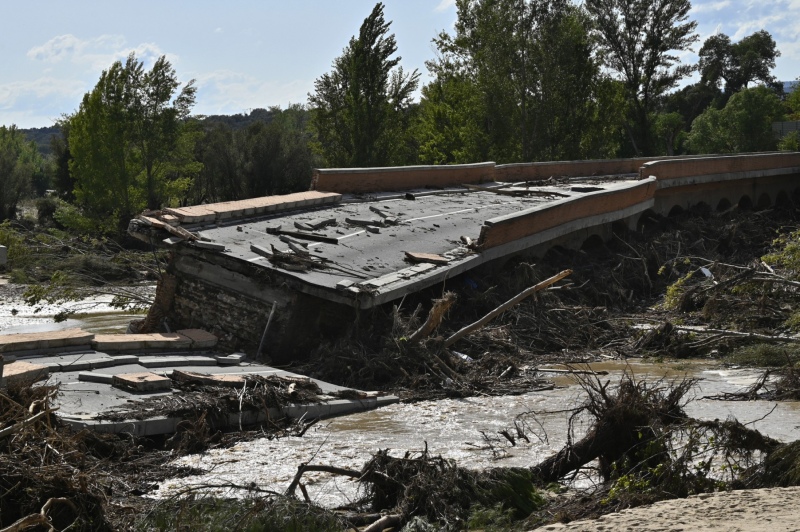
[(737, 334), (387, 521), (303, 468), (40, 518), (440, 308), (505, 306), (22, 424)]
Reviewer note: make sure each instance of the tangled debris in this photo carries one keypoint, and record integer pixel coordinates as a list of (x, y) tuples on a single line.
[(701, 284), (640, 447), (196, 397)]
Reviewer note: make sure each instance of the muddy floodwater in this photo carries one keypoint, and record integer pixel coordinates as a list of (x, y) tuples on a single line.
[(465, 430), (94, 315)]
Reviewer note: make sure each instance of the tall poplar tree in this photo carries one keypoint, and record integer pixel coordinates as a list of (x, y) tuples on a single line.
[(640, 40), (358, 107)]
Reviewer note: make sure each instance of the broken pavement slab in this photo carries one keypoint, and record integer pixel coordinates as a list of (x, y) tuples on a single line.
[(200, 339), (23, 373), (142, 382), (45, 340), (136, 342)]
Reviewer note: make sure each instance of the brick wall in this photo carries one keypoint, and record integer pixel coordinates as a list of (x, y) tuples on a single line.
[(358, 180)]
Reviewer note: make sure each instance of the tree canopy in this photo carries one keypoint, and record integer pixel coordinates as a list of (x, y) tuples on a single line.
[(358, 108), (743, 125), (515, 81), (20, 163), (640, 40), (738, 64), (130, 142)]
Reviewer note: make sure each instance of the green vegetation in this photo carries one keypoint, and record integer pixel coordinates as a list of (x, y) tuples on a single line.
[(743, 125), (248, 515), (513, 81), (20, 164), (130, 144), (765, 355), (738, 64), (640, 39), (358, 109)]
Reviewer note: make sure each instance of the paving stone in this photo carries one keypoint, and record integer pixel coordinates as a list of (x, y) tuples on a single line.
[(176, 361), (45, 340), (200, 339), (142, 382), (136, 342), (21, 373), (91, 376)]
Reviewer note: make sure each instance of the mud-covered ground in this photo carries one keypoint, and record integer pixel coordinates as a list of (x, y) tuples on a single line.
[(701, 285)]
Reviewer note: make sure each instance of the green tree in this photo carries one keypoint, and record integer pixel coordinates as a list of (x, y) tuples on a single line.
[(516, 81), (20, 162), (130, 142), (793, 103), (639, 40), (358, 108), (743, 125), (668, 129), (738, 64), (270, 155)]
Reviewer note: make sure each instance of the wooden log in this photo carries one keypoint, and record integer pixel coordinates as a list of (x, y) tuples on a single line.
[(737, 334), (431, 258), (505, 306), (440, 307), (387, 521), (306, 235), (302, 468)]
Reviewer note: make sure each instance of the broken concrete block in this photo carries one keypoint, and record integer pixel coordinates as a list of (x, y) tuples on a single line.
[(90, 376), (319, 223), (430, 258), (142, 382), (230, 360), (212, 380), (24, 373), (260, 250), (134, 342), (209, 245), (176, 361), (200, 339), (45, 340)]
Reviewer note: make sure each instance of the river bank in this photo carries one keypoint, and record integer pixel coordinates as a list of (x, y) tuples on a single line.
[(612, 309), (761, 510)]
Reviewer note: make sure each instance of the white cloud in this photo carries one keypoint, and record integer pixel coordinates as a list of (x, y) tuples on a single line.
[(95, 54), (444, 5), (710, 6), (218, 30), (226, 91), (45, 87), (72, 48)]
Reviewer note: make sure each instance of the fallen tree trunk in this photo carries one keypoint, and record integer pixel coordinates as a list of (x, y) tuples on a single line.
[(505, 306)]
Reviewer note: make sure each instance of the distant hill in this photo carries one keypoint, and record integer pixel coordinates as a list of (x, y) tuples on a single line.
[(41, 136), (239, 121), (790, 86)]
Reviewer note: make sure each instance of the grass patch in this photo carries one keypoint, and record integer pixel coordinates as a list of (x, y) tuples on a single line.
[(277, 514), (765, 355)]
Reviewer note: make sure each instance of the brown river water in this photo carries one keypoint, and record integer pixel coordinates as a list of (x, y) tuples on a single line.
[(465, 430)]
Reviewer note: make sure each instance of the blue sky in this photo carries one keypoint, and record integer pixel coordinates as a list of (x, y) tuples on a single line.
[(247, 53)]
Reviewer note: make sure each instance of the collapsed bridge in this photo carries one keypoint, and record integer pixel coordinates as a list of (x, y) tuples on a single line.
[(367, 236)]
